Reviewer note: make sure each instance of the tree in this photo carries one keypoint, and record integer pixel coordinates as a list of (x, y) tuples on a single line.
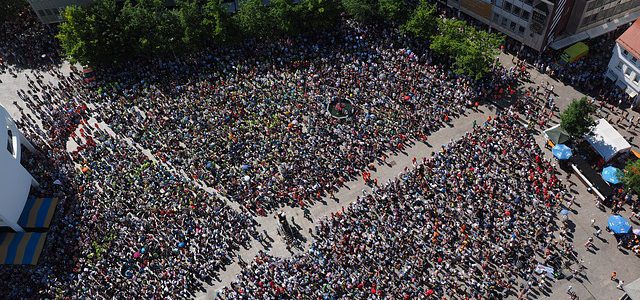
[(631, 176), (192, 24), (393, 11), (283, 17), (450, 38), (361, 10), (422, 21), (93, 35), (253, 19), (472, 50), (317, 15), (576, 120), (217, 21)]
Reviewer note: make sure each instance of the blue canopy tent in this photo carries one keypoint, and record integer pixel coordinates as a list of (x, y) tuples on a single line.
[(561, 151), (618, 224), (610, 175)]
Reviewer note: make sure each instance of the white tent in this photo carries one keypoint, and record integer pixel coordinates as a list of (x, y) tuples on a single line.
[(15, 180), (606, 140)]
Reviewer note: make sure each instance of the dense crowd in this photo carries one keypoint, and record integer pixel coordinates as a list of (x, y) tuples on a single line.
[(473, 222), (129, 226), (27, 43), (253, 123)]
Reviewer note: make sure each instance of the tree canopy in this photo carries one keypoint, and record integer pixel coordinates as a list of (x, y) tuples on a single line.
[(422, 21), (631, 176), (576, 119), (471, 50), (108, 31)]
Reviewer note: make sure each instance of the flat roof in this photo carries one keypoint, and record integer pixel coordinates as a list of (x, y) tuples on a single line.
[(630, 39), (606, 140)]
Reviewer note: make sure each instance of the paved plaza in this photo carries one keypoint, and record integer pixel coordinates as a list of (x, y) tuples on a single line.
[(593, 283)]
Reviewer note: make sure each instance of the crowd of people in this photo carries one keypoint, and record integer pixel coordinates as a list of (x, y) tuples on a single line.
[(27, 43), (129, 227), (475, 221), (253, 122), (587, 74)]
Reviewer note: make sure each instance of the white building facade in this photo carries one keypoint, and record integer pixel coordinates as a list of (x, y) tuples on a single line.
[(15, 180), (624, 66)]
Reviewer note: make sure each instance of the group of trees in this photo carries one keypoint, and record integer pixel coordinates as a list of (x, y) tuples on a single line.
[(107, 32)]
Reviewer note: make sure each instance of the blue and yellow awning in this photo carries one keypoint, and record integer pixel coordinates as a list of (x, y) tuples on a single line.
[(38, 213), (21, 248)]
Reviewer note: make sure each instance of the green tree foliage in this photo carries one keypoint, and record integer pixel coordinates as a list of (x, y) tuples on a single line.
[(93, 35), (217, 22), (105, 33), (9, 9), (576, 119), (283, 17), (361, 10), (422, 22), (191, 18), (253, 19), (471, 50), (631, 176), (317, 15), (394, 11)]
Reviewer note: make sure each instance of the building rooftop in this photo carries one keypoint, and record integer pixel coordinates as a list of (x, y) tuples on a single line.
[(630, 39)]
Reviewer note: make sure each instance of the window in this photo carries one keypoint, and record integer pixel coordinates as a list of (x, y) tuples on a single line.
[(10, 142), (529, 2), (516, 10), (512, 26), (627, 71), (636, 79), (504, 21), (619, 66), (525, 15), (496, 17), (507, 6), (521, 30), (634, 59), (625, 52)]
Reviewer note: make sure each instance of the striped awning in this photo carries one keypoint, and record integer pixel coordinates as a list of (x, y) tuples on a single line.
[(38, 213), (21, 248)]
